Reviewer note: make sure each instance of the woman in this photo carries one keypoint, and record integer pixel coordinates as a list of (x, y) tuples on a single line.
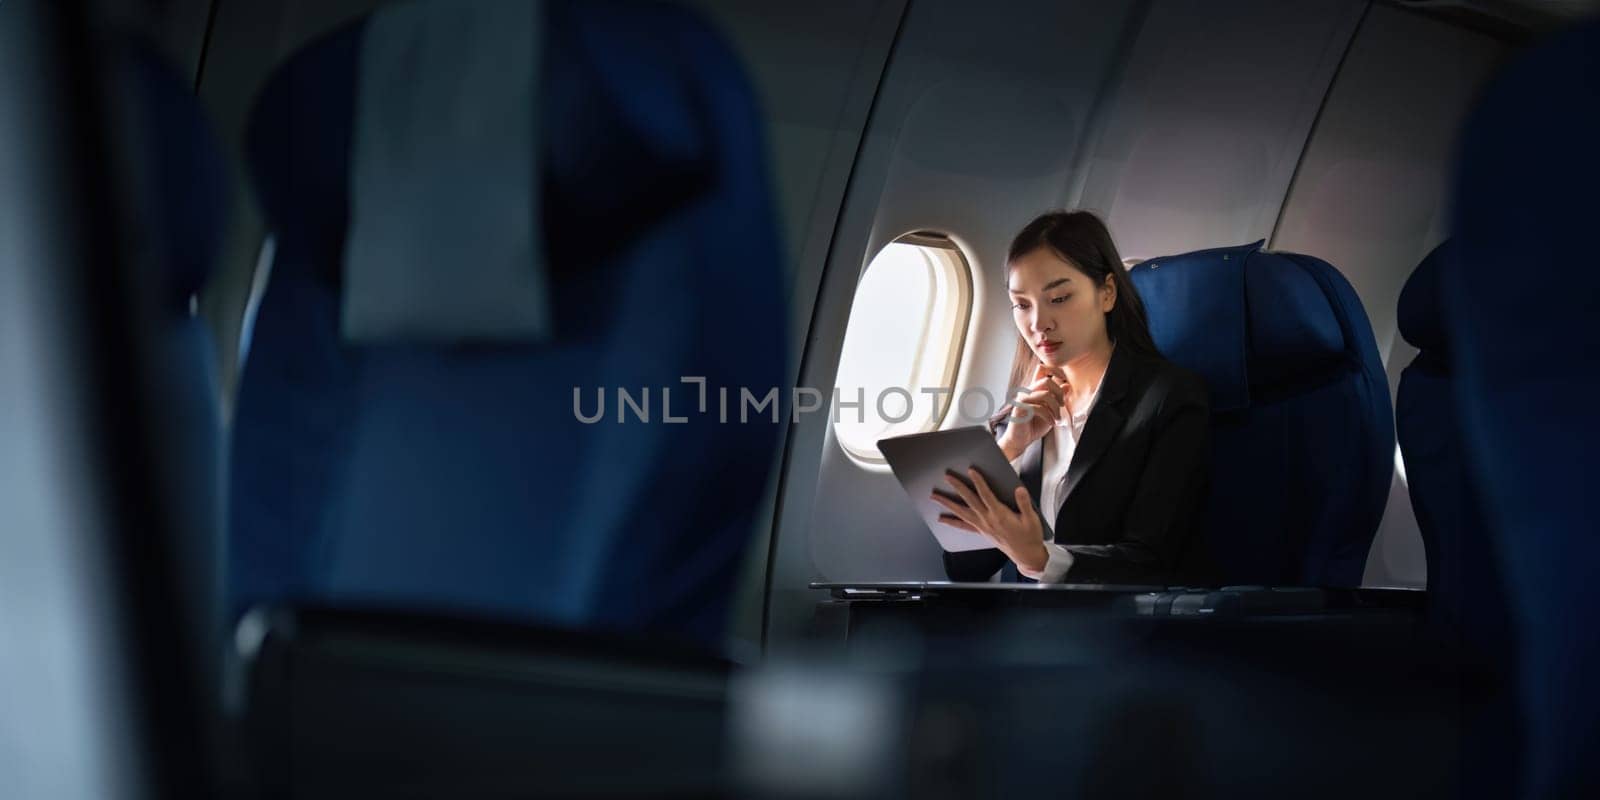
[(1111, 437)]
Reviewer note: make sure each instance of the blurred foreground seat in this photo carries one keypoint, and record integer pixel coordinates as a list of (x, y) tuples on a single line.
[(175, 219), (1520, 309), (1085, 704), (1468, 611), (455, 472), (385, 704), (1466, 599)]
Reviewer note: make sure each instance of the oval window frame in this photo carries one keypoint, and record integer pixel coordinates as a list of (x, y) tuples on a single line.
[(950, 308)]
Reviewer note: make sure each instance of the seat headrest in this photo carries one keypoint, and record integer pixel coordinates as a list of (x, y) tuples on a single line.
[(445, 240), (615, 115), (1252, 323), (1196, 307), (298, 144), (1294, 333), (1420, 313)]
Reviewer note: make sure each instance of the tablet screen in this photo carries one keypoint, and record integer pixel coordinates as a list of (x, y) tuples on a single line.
[(920, 462)]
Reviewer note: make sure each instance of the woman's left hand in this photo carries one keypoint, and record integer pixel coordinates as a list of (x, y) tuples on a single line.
[(1019, 534)]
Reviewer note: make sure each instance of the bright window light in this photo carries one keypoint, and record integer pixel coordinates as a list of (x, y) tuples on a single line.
[(906, 331)]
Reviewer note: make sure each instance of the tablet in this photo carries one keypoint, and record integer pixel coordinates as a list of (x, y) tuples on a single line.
[(920, 461)]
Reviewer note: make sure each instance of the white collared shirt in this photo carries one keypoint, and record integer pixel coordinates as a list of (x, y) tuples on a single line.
[(1059, 443)]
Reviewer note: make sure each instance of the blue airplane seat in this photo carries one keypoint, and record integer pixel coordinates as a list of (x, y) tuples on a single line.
[(177, 205), (179, 172), (1520, 310), (1466, 599), (458, 475), (1468, 610), (1302, 432)]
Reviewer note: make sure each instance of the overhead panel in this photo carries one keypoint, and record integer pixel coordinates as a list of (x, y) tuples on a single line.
[(1199, 144)]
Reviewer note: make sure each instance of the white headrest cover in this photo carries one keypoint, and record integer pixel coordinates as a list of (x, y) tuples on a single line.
[(444, 241)]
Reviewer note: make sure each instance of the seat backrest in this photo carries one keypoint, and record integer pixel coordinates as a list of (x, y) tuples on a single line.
[(1520, 312), (1466, 599), (177, 204), (1467, 611), (338, 698), (460, 476), (1302, 432)]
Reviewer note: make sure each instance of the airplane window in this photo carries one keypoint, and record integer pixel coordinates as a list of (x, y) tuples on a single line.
[(902, 344)]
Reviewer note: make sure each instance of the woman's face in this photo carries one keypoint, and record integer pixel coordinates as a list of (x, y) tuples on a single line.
[(1059, 310)]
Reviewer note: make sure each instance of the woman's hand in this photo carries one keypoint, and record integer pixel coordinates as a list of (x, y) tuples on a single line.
[(1033, 411), (1018, 534)]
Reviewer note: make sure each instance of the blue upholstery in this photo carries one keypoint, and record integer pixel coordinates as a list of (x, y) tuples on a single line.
[(1430, 442), (180, 196), (1466, 600), (1520, 311), (1302, 432), (1420, 313), (180, 173), (460, 476), (1468, 612)]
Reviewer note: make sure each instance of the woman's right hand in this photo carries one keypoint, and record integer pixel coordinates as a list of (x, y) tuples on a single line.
[(1033, 411)]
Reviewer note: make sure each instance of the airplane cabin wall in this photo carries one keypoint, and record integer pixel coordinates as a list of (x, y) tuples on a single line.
[(1201, 142)]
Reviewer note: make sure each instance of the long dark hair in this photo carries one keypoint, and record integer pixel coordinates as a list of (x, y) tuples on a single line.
[(1081, 239)]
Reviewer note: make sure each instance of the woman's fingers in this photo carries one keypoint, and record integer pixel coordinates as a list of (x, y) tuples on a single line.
[(1031, 415), (1059, 389), (1048, 404), (1056, 387), (957, 510), (1049, 379), (982, 486), (968, 496), (1021, 411), (1045, 380), (957, 522), (1054, 397), (1037, 395), (1047, 387)]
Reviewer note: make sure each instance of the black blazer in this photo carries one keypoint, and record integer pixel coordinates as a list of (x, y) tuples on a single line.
[(1136, 485)]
